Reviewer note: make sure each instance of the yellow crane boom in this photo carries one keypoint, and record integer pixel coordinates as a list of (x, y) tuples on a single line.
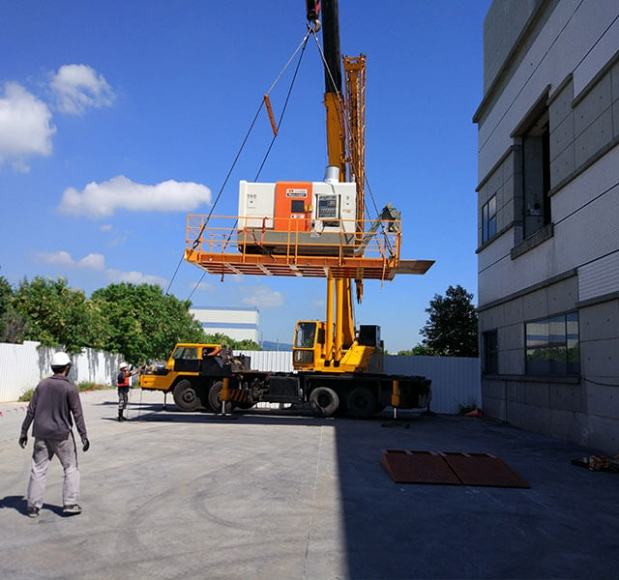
[(308, 229)]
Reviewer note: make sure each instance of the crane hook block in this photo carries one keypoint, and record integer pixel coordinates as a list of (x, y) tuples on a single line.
[(313, 11), (314, 26)]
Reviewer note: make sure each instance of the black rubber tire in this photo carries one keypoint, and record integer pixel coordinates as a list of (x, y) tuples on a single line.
[(213, 396), (204, 397), (185, 396), (324, 401), (361, 403)]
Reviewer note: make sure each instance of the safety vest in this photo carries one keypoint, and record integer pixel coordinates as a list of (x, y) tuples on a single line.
[(123, 381)]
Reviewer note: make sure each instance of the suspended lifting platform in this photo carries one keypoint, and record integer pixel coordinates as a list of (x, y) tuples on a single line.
[(230, 248)]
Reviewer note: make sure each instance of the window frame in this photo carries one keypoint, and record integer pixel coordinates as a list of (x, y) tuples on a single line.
[(550, 345), (489, 220)]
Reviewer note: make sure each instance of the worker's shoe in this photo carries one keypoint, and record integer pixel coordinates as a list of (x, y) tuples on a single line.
[(121, 417), (32, 511), (72, 510)]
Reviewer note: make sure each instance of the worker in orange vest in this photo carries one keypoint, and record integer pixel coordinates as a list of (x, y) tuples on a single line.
[(124, 383)]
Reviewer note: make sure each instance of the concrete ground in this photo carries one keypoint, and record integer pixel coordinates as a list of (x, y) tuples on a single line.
[(278, 497)]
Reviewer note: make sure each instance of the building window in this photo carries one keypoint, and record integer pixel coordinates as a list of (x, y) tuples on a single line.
[(552, 346), (490, 352), (488, 220), (536, 175)]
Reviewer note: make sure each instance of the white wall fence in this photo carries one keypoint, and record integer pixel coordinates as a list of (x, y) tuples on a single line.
[(455, 381), (22, 366)]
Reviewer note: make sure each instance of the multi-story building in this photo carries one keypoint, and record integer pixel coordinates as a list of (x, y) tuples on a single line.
[(548, 199)]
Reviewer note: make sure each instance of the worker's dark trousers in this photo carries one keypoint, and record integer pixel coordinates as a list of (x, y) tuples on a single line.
[(123, 398), (44, 450)]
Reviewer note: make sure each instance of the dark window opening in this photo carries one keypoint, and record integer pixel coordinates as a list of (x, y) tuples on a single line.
[(488, 220), (490, 352), (536, 175), (297, 206)]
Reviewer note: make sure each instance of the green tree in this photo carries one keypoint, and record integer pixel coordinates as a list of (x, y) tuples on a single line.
[(246, 344), (220, 338), (417, 350), (6, 293), (451, 329), (13, 325), (143, 323), (57, 315)]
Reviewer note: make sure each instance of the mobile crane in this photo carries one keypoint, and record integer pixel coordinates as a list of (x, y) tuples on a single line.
[(308, 229)]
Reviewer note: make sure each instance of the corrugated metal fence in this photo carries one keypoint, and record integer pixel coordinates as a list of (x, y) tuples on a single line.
[(455, 381)]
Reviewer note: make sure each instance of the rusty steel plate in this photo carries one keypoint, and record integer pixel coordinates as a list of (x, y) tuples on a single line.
[(417, 467), (449, 468), (483, 469)]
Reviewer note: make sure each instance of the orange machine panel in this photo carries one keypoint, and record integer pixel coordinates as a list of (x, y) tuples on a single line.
[(293, 206)]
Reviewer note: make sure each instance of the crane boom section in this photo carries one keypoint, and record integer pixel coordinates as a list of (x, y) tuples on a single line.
[(354, 72)]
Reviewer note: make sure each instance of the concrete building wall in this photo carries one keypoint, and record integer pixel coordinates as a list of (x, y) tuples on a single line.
[(562, 72), (503, 26)]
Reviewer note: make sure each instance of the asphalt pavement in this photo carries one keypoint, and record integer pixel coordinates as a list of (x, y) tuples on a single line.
[(284, 495)]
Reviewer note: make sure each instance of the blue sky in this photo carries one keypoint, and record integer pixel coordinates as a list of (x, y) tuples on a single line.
[(117, 119)]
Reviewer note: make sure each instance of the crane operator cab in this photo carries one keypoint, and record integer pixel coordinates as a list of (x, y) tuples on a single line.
[(309, 339), (310, 351)]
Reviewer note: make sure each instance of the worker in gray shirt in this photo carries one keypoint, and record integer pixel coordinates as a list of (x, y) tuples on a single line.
[(53, 403)]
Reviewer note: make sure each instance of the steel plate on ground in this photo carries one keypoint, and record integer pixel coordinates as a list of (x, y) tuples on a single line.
[(483, 469), (417, 467), (451, 468)]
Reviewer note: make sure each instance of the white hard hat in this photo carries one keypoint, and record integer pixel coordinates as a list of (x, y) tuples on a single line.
[(123, 365), (60, 359)]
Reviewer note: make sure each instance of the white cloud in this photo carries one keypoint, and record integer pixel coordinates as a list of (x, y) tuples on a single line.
[(263, 297), (201, 286), (64, 259), (78, 87), (25, 126), (101, 200), (96, 262), (93, 261), (135, 277)]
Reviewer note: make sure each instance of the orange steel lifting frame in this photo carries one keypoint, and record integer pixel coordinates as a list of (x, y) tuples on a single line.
[(216, 250)]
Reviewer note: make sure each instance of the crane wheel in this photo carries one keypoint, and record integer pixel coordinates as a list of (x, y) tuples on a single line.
[(324, 401), (213, 396), (185, 396), (361, 403)]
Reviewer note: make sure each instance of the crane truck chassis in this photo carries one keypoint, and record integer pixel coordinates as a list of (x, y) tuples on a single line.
[(211, 376)]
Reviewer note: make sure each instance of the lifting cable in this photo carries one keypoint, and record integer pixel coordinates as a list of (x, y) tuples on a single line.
[(265, 101), (354, 144)]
